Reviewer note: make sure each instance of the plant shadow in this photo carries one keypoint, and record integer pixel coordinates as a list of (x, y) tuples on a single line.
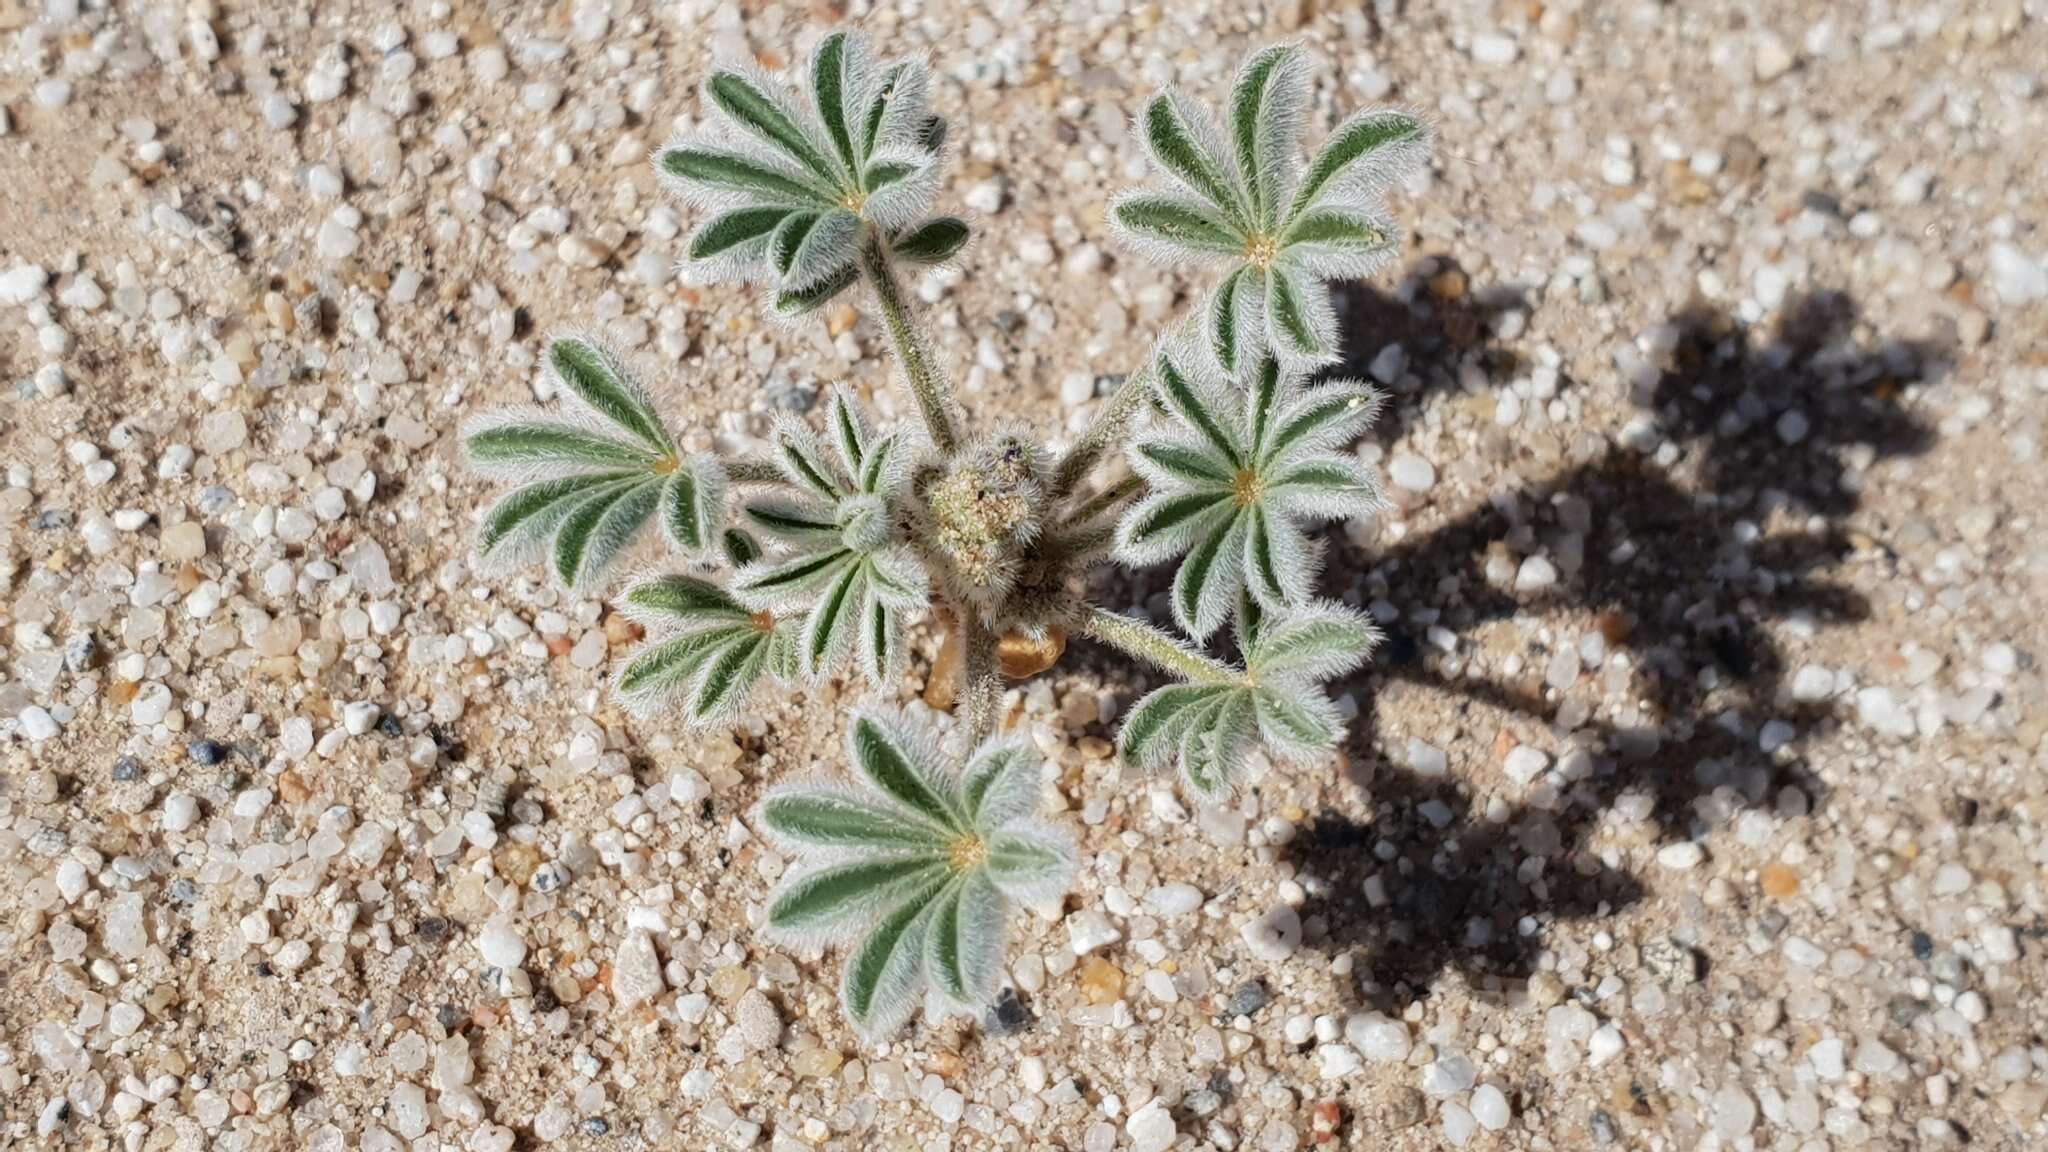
[(1723, 516), (1675, 558)]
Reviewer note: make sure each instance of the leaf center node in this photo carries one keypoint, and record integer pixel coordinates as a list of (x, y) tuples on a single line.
[(1245, 487), (966, 853), (1260, 248)]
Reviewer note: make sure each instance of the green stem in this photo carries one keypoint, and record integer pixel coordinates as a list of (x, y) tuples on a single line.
[(1105, 434), (1108, 499), (929, 388), (980, 679), (1136, 638), (747, 470)]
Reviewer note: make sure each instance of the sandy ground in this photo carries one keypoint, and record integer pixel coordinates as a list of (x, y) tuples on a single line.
[(1696, 800)]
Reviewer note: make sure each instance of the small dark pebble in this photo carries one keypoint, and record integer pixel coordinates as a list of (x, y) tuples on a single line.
[(1923, 946), (206, 753), (1821, 202), (1249, 998), (432, 930), (1905, 1009), (389, 725), (1009, 320), (544, 999), (52, 519), (127, 768), (1771, 924), (1007, 1016), (1603, 1127), (184, 891), (596, 1126), (450, 1017), (550, 876), (79, 652)]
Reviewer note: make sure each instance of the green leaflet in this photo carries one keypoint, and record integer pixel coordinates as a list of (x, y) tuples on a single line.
[(1215, 742), (1194, 586), (1317, 642), (1174, 221), (802, 462), (1223, 308), (728, 676), (932, 242), (885, 762), (1247, 122), (1290, 725), (732, 172), (828, 88), (1261, 401), (666, 667), (878, 107), (1154, 724), (1329, 228), (995, 778), (546, 442), (826, 249), (817, 295), (1167, 515), (875, 470), (597, 528), (849, 430), (766, 580), (882, 173), (1018, 859), (791, 521), (1262, 569), (1313, 417), (694, 504), (827, 630), (789, 238), (966, 940), (1287, 311), (754, 110), (822, 898), (1192, 466), (1192, 407), (685, 599), (840, 820), (884, 971), (536, 508), (601, 382), (1356, 140), (735, 229), (1175, 146), (881, 639)]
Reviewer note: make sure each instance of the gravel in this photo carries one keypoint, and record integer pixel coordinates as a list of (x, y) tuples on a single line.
[(1693, 798)]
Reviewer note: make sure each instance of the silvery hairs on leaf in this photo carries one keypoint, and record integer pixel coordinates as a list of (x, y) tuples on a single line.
[(793, 183), (918, 863), (841, 563), (591, 475), (1209, 729), (705, 650), (1239, 199), (1235, 473)]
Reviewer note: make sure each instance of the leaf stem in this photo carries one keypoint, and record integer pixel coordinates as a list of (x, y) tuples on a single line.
[(1134, 637), (747, 470), (984, 683), (1103, 435), (927, 385), (1107, 499)]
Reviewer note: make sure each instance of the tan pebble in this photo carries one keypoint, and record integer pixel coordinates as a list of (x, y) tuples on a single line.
[(1101, 981)]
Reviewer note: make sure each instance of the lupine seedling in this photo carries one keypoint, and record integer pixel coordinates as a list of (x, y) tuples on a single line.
[(827, 551)]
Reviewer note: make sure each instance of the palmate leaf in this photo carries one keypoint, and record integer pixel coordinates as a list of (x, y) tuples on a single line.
[(595, 478), (1242, 200), (1235, 480), (705, 648), (798, 182), (918, 861)]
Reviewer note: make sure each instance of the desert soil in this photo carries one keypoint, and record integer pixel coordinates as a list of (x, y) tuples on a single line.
[(1696, 799)]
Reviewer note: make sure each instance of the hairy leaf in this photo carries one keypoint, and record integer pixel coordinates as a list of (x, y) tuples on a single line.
[(597, 377), (831, 896), (766, 117), (546, 442), (734, 173), (1173, 222), (934, 241), (1171, 134), (897, 766), (1357, 142), (730, 232)]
